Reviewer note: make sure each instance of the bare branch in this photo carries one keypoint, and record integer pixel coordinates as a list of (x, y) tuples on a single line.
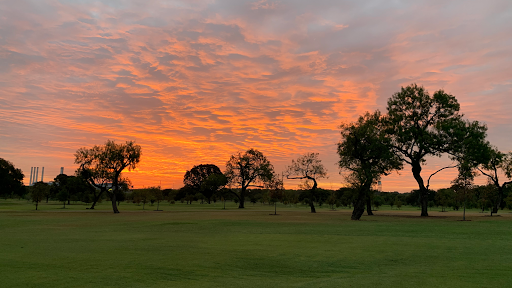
[(447, 167)]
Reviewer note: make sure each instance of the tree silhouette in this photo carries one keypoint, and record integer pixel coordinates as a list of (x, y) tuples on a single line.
[(366, 153), (196, 177), (308, 167), (102, 166), (498, 161), (38, 192), (11, 179), (249, 169), (275, 190), (421, 125)]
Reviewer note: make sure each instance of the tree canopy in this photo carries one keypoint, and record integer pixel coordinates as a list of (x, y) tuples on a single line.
[(11, 179), (421, 125), (247, 169), (196, 177), (38, 192), (365, 151), (497, 162), (102, 166)]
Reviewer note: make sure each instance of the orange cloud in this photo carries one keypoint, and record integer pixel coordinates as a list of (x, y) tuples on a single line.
[(194, 82)]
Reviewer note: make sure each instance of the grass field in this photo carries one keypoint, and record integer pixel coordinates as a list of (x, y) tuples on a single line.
[(204, 246)]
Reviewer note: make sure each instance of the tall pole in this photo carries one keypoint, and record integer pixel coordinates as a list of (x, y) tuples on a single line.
[(42, 174), (30, 180), (37, 174), (464, 213)]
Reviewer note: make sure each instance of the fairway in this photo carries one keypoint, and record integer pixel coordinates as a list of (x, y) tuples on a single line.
[(205, 246)]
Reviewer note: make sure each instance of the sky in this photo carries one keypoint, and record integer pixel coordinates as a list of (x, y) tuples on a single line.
[(194, 82)]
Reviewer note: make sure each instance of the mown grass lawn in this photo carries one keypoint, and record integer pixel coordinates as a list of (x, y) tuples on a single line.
[(205, 246)]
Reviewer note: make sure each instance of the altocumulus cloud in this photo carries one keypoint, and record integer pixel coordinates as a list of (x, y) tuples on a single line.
[(195, 81)]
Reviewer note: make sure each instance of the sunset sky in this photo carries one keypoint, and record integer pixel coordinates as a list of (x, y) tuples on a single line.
[(196, 81)]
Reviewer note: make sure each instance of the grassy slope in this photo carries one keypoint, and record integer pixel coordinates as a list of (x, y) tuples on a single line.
[(203, 246)]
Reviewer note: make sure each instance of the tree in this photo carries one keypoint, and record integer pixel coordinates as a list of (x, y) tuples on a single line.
[(498, 161), (275, 191), (421, 125), (398, 203), (143, 195), (250, 169), (377, 202), (67, 188), (486, 196), (347, 196), (157, 195), (461, 185), (444, 197), (308, 167), (196, 176), (365, 151), (332, 200), (11, 179), (214, 184), (103, 165), (39, 191), (63, 196)]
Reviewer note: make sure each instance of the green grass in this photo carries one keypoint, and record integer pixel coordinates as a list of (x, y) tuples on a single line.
[(205, 246)]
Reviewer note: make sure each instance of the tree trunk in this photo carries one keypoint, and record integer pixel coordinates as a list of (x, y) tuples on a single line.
[(242, 198), (96, 199), (114, 203), (362, 195), (36, 205), (312, 195), (496, 205), (369, 205), (312, 205), (358, 207), (416, 172)]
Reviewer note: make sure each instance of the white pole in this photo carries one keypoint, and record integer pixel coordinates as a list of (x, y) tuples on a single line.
[(37, 174), (42, 174), (30, 180)]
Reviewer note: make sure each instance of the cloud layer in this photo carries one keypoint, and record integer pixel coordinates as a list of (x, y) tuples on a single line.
[(195, 81)]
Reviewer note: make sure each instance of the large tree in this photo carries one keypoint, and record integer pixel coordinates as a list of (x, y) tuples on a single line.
[(310, 168), (196, 177), (11, 179), (102, 166), (365, 151), (497, 163), (249, 169), (38, 192), (420, 126)]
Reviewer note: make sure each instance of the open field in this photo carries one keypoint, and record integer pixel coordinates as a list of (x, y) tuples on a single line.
[(204, 246)]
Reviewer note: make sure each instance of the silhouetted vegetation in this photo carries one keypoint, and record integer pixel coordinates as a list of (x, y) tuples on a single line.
[(309, 168), (250, 169), (11, 180), (102, 166), (365, 151)]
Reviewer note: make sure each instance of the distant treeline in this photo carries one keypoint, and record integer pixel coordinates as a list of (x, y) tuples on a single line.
[(480, 197)]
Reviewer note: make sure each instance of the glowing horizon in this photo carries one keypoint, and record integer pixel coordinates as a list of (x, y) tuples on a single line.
[(193, 82)]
